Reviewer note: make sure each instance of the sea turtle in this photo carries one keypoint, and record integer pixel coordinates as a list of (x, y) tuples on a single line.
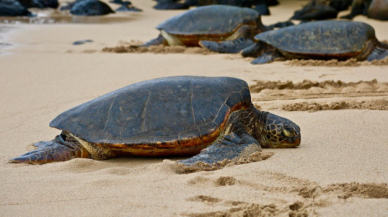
[(90, 8), (170, 5), (125, 6), (378, 9), (191, 2), (211, 23), (39, 3), (13, 8), (239, 3), (340, 5), (167, 117), (322, 40), (358, 7), (315, 10)]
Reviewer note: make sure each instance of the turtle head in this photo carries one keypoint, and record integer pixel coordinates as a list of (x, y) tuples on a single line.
[(279, 132)]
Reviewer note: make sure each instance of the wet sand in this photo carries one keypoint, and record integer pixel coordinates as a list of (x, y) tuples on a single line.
[(340, 169)]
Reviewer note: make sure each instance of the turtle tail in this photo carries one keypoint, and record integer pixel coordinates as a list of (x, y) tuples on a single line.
[(55, 150)]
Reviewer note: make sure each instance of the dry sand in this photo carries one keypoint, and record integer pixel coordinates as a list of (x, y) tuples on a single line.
[(340, 169)]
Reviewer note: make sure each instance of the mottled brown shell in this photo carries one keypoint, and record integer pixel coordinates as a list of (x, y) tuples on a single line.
[(210, 20), (165, 116), (322, 37)]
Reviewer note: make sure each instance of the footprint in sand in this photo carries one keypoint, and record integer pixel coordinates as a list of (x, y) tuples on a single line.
[(315, 106), (305, 197), (200, 181), (225, 181), (331, 90)]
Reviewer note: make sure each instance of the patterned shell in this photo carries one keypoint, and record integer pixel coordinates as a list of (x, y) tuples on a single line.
[(165, 110), (322, 37), (209, 20)]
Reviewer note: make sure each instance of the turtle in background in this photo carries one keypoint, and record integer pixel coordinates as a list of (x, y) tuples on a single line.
[(315, 10), (340, 5), (170, 5), (206, 26), (90, 8), (378, 10), (13, 8), (125, 6), (358, 7), (238, 3), (191, 2), (322, 40), (211, 118), (39, 3), (260, 6)]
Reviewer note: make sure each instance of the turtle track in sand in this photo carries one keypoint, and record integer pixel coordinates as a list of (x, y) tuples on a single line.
[(133, 47), (331, 95), (315, 106), (336, 63), (304, 198)]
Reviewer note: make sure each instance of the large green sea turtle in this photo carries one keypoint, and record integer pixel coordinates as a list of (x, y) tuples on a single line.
[(211, 23), (321, 40), (210, 117)]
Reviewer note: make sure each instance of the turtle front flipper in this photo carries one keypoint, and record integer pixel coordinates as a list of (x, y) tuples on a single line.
[(266, 57), (225, 150), (254, 50), (234, 46), (52, 151), (160, 40)]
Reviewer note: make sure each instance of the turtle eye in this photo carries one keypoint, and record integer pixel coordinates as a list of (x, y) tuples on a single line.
[(287, 133)]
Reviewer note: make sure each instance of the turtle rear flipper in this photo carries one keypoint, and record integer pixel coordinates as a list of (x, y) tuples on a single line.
[(160, 40), (380, 52), (234, 46), (226, 149), (52, 151)]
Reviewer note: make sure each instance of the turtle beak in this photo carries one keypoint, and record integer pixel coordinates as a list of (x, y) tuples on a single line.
[(295, 142), (290, 142)]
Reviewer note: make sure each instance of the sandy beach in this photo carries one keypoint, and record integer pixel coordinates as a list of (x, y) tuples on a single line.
[(340, 168)]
